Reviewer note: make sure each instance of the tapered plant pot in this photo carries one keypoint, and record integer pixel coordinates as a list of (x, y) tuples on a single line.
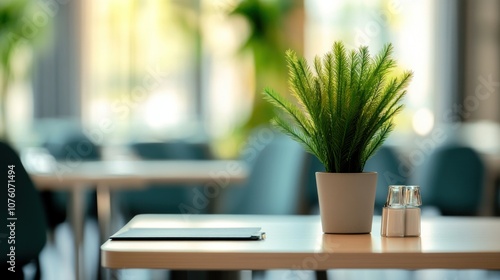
[(346, 201)]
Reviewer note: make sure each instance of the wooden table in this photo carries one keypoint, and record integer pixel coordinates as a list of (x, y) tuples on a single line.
[(297, 242), (104, 176)]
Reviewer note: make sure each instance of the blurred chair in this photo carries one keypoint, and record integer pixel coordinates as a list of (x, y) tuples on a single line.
[(72, 146), (385, 162), (30, 226), (452, 179), (68, 145), (273, 186), (160, 198), (312, 165), (171, 150)]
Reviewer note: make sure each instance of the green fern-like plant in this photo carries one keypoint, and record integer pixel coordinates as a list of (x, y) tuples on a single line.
[(344, 110)]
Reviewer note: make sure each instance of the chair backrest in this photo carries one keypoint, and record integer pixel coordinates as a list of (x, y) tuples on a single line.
[(312, 165), (385, 162), (171, 150), (30, 225), (273, 186), (72, 145), (453, 180)]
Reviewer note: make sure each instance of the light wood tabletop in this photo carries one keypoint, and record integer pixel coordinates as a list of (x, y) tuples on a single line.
[(297, 242), (120, 174)]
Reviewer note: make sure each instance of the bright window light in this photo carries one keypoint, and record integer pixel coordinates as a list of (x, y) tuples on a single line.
[(423, 121), (163, 111)]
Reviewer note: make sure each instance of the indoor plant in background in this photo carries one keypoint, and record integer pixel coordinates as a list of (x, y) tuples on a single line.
[(342, 113), (16, 30)]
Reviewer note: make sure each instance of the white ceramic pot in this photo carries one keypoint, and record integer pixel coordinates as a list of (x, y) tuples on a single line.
[(346, 201)]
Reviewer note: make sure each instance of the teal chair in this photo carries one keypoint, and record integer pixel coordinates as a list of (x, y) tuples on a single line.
[(452, 179), (274, 184), (30, 229), (312, 165), (386, 163)]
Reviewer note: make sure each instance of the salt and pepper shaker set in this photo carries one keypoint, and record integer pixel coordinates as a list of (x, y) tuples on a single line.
[(401, 213)]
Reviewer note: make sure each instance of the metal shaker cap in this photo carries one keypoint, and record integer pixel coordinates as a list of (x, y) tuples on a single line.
[(412, 196), (395, 197)]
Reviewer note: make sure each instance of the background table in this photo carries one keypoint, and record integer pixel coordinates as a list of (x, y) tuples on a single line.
[(297, 242), (103, 176)]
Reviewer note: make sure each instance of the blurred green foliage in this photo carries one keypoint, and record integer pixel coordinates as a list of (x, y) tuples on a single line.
[(15, 29), (266, 39), (267, 42)]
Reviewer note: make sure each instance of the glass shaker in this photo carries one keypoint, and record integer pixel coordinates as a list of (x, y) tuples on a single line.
[(393, 213), (412, 214)]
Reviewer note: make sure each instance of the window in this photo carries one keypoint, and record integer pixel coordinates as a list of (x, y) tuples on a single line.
[(407, 24), (158, 69)]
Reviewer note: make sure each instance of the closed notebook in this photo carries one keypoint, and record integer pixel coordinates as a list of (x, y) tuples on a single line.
[(248, 233)]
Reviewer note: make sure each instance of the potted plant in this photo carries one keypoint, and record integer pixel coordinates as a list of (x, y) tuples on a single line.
[(342, 113)]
